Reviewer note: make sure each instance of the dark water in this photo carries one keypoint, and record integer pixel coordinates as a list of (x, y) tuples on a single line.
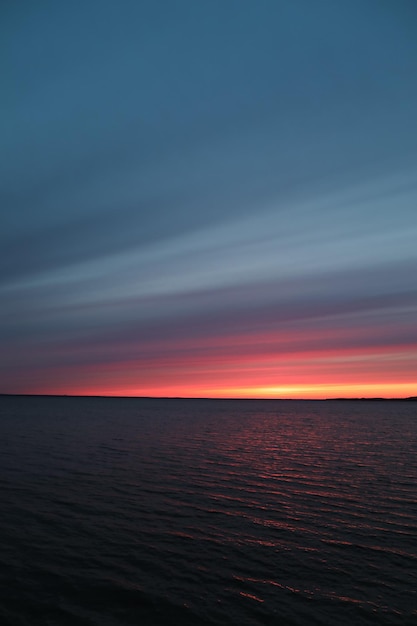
[(157, 512)]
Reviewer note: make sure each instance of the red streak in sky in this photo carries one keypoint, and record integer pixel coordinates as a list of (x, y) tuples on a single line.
[(263, 369)]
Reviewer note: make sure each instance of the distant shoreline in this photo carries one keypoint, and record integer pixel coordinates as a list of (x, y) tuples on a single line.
[(41, 395)]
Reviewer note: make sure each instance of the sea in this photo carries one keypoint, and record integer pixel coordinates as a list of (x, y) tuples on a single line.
[(117, 511)]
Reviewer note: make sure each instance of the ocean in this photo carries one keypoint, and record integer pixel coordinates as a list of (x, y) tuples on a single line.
[(119, 511)]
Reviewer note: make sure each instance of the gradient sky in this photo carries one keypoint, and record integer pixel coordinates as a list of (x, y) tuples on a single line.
[(213, 198)]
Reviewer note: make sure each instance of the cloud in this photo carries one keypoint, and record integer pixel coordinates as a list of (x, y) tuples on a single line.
[(180, 180)]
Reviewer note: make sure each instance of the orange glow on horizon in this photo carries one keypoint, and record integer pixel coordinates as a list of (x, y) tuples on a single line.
[(271, 367), (314, 392)]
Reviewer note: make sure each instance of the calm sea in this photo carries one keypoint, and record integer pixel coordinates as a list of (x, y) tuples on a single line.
[(198, 512)]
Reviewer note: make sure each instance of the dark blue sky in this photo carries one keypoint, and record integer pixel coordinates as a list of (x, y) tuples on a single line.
[(170, 166)]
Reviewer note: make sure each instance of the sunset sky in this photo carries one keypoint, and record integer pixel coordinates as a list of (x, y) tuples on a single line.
[(209, 198)]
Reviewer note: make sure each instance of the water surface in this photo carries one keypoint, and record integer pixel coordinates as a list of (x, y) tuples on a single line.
[(157, 512)]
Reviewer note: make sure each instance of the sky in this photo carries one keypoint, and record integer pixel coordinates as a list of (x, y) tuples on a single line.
[(214, 198)]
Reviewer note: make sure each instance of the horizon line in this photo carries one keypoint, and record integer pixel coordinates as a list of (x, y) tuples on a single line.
[(62, 395)]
